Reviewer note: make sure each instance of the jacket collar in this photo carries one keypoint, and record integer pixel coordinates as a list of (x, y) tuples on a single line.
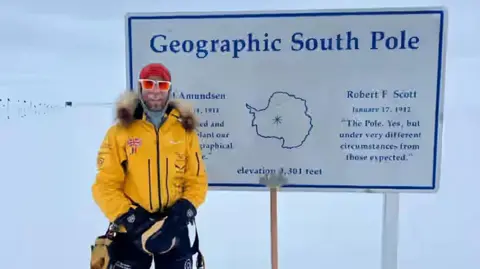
[(129, 109)]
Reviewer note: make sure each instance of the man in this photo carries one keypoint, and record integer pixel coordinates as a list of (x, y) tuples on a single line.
[(151, 178)]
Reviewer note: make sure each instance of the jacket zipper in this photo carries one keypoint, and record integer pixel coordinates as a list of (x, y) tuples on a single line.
[(166, 181), (150, 185), (158, 174)]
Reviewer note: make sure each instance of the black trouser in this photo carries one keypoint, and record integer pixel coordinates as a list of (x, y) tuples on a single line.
[(125, 255)]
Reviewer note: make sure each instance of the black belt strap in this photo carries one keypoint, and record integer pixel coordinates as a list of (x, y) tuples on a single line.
[(196, 250)]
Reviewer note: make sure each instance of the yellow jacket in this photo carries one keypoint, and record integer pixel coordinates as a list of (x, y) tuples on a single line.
[(135, 163)]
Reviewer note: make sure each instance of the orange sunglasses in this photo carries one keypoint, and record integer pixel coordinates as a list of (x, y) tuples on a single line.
[(149, 84)]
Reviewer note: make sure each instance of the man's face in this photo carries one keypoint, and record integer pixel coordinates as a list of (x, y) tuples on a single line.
[(154, 91)]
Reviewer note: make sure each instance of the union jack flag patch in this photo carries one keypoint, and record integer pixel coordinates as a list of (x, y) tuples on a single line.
[(134, 144)]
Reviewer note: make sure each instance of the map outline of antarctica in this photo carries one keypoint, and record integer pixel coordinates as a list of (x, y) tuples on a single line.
[(271, 123)]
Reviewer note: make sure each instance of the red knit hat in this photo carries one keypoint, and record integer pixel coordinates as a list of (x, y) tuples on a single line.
[(155, 69)]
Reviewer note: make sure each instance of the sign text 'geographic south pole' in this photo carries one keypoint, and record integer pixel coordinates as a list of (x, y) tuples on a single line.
[(335, 100)]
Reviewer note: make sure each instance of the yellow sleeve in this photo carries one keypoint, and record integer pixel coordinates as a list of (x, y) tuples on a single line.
[(196, 181), (107, 189)]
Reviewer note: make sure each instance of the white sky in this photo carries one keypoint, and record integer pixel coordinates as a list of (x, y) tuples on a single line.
[(52, 51)]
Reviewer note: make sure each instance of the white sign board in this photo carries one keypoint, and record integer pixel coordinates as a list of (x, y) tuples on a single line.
[(339, 100)]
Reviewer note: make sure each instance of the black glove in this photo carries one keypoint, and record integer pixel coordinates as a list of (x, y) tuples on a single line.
[(136, 221), (141, 225), (148, 231), (163, 236), (182, 212)]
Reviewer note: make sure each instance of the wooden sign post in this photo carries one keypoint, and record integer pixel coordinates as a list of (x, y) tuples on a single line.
[(274, 182)]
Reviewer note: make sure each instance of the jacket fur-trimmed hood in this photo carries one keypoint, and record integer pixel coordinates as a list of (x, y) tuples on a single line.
[(128, 108)]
